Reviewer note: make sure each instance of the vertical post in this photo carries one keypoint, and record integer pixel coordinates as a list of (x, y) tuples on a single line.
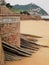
[(1, 54)]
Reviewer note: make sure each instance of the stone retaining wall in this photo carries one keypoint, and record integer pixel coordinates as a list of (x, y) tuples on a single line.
[(1, 54), (10, 31)]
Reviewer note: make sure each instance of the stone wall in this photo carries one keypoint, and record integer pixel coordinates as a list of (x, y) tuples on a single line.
[(10, 31), (1, 54)]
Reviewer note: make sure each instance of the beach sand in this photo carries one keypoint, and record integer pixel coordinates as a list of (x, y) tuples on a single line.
[(39, 28)]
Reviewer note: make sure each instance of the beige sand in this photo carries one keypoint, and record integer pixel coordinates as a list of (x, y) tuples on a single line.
[(40, 28)]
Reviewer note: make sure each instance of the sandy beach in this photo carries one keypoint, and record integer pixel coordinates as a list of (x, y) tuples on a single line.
[(39, 28)]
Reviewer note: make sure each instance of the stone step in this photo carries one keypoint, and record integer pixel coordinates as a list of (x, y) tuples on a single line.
[(16, 51), (12, 57)]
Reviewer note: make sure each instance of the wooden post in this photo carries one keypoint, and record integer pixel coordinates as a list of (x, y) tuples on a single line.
[(1, 54)]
